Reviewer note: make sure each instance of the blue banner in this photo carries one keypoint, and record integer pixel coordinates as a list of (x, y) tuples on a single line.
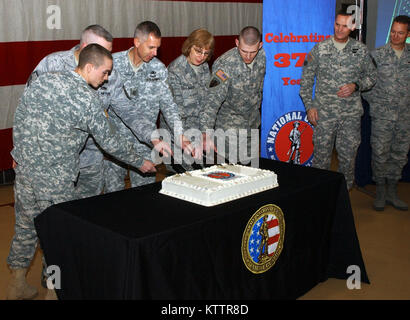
[(290, 30)]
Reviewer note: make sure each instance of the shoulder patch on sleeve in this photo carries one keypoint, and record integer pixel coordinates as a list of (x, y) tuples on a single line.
[(221, 75), (309, 58), (214, 82)]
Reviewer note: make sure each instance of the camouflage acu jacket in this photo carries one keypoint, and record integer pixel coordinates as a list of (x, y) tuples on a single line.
[(55, 115), (148, 90), (332, 69), (189, 90), (390, 97), (235, 93), (112, 97)]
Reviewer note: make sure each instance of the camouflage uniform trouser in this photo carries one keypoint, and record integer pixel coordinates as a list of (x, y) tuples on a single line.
[(390, 142), (115, 173), (32, 196), (90, 181), (344, 134), (140, 179)]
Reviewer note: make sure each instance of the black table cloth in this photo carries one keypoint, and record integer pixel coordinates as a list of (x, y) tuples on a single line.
[(139, 244)]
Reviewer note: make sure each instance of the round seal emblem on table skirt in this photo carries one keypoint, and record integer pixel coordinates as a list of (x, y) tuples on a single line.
[(262, 240)]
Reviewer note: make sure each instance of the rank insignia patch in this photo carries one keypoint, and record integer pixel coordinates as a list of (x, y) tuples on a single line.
[(221, 75), (152, 76), (262, 240)]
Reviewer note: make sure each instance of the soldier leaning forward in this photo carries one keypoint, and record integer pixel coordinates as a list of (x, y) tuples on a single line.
[(47, 142), (235, 92)]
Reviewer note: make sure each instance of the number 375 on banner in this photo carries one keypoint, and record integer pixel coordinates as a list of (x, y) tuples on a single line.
[(284, 60)]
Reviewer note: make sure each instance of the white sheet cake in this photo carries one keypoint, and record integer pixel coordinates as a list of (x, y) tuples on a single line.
[(218, 184)]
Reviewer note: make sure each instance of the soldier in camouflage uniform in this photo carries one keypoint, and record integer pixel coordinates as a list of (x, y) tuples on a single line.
[(342, 67), (145, 84), (47, 142), (91, 179), (390, 114), (188, 79), (235, 94)]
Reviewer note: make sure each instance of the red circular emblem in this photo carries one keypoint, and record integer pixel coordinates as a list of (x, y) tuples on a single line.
[(220, 175)]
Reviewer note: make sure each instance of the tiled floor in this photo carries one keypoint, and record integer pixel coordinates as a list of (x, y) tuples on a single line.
[(384, 239)]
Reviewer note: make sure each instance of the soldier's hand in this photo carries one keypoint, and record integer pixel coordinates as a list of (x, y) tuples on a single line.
[(186, 144), (346, 90), (147, 166), (14, 165), (162, 147), (208, 144), (312, 116), (189, 148), (198, 151)]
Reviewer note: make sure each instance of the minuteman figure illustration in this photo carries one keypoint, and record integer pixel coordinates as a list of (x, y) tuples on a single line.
[(263, 246), (294, 138)]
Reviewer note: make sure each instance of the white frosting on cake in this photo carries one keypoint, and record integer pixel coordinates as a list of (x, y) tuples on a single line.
[(206, 187)]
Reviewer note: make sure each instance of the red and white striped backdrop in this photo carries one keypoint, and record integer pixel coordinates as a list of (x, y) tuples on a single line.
[(26, 37)]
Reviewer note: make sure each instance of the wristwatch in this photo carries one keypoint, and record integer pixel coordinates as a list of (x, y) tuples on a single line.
[(356, 86)]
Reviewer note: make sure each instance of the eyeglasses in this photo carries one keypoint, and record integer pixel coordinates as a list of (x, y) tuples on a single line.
[(199, 52)]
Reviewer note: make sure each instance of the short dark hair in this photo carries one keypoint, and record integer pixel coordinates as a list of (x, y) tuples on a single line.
[(250, 35), (144, 29), (342, 12), (97, 30), (94, 54), (403, 19)]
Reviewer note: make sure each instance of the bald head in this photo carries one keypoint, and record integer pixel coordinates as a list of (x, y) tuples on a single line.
[(250, 36)]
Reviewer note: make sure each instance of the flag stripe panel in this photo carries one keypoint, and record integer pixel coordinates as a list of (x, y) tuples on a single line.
[(31, 29)]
